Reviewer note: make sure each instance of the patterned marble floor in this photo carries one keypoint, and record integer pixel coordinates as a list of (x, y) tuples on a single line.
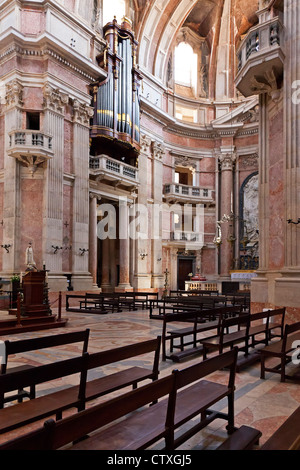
[(263, 404)]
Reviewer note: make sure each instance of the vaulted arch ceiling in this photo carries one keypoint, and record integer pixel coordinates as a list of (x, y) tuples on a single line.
[(159, 21)]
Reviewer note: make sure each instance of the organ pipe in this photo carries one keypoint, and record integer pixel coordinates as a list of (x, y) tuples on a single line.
[(116, 99)]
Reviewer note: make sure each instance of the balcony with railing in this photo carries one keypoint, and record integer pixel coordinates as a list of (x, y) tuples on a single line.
[(261, 56), (32, 148), (187, 239), (28, 142), (113, 171), (174, 192)]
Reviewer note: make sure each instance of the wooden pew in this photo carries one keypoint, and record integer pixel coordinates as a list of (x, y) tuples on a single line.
[(34, 344), (282, 350), (204, 321), (179, 397), (287, 436), (247, 328), (129, 375), (224, 339), (20, 414), (244, 438), (55, 403)]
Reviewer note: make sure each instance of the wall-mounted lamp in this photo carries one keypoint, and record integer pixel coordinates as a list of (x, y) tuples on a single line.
[(158, 259), (83, 250), (56, 248), (143, 255), (6, 247), (290, 221)]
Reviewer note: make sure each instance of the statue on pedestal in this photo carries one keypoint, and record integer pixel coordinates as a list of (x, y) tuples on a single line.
[(29, 260)]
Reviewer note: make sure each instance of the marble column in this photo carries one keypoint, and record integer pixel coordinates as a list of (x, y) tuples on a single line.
[(81, 278), (12, 260), (227, 160), (93, 240), (157, 172), (54, 112), (105, 284), (124, 240), (142, 271)]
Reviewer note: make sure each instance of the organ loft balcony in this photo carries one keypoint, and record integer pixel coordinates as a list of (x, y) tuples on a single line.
[(105, 169), (260, 55)]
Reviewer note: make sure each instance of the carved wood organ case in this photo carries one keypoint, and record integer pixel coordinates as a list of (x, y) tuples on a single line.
[(116, 123)]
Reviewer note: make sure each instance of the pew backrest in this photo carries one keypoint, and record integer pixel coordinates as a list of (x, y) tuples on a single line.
[(34, 344)]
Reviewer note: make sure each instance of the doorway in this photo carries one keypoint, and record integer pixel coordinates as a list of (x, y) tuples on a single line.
[(185, 267)]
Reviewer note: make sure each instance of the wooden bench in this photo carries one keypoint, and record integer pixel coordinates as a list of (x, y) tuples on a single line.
[(247, 328), (282, 350), (268, 327), (34, 344), (243, 438), (224, 339), (181, 303), (179, 397), (201, 322), (287, 436), (23, 413)]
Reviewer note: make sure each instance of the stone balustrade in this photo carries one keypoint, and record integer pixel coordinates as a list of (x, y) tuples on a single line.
[(260, 58), (185, 193), (112, 170)]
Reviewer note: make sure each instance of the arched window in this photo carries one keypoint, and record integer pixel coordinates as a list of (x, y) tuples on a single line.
[(186, 62), (113, 8)]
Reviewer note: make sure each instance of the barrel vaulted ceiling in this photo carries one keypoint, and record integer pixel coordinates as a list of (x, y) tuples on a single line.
[(159, 21)]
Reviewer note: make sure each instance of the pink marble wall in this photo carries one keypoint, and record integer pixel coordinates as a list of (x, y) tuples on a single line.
[(276, 195), (31, 219), (208, 264), (1, 219), (2, 141), (67, 227), (32, 21), (68, 146)]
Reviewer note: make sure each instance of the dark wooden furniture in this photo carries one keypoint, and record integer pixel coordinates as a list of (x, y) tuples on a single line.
[(243, 438), (129, 375), (179, 398), (34, 344), (26, 412), (282, 350), (224, 339), (199, 322), (287, 436), (35, 292), (21, 414)]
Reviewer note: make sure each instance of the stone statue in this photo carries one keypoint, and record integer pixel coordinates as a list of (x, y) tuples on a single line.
[(29, 260)]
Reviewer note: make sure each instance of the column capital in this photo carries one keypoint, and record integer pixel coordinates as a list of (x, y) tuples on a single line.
[(145, 143), (227, 160), (14, 94), (54, 99), (158, 150), (82, 113)]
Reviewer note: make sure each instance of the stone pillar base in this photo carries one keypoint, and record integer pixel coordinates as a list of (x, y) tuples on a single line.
[(124, 288), (57, 282), (142, 281), (157, 281), (82, 282)]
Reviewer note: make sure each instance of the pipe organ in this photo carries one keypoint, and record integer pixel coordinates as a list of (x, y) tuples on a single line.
[(116, 99)]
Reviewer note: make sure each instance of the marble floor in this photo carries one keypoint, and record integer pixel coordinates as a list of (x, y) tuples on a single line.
[(263, 404)]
